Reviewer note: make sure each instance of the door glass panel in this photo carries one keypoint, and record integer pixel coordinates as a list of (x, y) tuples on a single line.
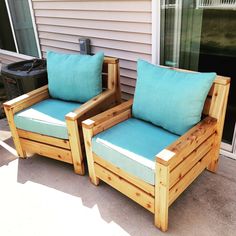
[(6, 37), (23, 27), (200, 35)]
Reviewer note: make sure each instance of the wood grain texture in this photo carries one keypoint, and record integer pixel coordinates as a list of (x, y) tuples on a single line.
[(148, 188), (125, 187), (70, 151), (63, 143), (161, 196), (46, 150), (177, 151)]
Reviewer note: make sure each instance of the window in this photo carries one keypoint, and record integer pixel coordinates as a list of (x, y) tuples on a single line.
[(16, 27)]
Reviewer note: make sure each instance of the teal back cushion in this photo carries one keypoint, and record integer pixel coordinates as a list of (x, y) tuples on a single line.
[(168, 98), (74, 77)]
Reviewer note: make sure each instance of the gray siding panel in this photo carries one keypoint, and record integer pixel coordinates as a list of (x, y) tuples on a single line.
[(119, 28)]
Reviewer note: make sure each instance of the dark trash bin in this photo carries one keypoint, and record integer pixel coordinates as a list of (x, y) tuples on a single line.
[(24, 76)]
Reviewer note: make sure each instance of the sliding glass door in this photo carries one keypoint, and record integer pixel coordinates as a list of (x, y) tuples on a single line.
[(201, 35)]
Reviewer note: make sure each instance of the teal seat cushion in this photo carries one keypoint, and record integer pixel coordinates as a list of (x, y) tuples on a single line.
[(46, 117), (168, 98), (132, 145), (74, 77)]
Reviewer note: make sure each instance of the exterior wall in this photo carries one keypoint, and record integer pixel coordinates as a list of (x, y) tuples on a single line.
[(120, 28), (7, 57)]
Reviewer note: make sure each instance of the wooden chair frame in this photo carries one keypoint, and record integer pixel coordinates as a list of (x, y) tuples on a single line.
[(177, 166), (67, 150)]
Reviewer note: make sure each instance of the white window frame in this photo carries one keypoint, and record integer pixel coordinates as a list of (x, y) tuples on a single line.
[(33, 23)]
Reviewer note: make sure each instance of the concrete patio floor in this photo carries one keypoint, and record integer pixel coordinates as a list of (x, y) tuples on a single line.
[(40, 197)]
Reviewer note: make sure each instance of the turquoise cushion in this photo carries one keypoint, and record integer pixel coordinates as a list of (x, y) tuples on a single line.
[(74, 77), (132, 145), (46, 117), (171, 99)]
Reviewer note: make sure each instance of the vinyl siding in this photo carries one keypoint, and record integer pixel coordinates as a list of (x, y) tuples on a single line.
[(7, 57), (119, 28)]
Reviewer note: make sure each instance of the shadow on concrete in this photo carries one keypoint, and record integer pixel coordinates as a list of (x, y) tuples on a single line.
[(5, 156), (210, 199)]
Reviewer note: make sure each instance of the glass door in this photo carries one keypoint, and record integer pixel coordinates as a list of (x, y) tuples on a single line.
[(200, 35)]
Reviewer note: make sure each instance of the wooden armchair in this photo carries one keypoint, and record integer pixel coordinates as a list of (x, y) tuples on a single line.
[(69, 150), (176, 167)]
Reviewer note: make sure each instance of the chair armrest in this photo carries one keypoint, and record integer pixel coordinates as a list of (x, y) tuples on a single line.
[(28, 99), (90, 105), (177, 151), (109, 118)]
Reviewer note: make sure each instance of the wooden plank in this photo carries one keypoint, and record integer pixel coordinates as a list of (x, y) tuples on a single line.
[(88, 134), (182, 147), (112, 121), (112, 74), (75, 144), (128, 189), (148, 188), (43, 91), (207, 106), (177, 189), (162, 196), (16, 139), (211, 90), (218, 110), (93, 103), (106, 115), (46, 150), (179, 171), (63, 143), (218, 80)]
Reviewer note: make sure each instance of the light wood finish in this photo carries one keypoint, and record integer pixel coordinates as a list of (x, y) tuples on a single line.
[(193, 173), (178, 150), (122, 185), (70, 150), (191, 160), (75, 145), (218, 110), (28, 99), (88, 134), (107, 115), (162, 196), (16, 139), (177, 166), (148, 188), (63, 143), (46, 150)]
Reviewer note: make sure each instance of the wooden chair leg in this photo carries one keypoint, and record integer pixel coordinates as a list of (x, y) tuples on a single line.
[(162, 197), (10, 117), (75, 145), (218, 111), (89, 153), (215, 158)]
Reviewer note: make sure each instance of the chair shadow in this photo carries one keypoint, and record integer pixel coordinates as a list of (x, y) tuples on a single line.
[(112, 205), (5, 156), (115, 207)]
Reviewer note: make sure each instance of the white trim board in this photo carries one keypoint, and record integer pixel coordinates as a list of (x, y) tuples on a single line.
[(156, 31), (11, 24), (15, 54)]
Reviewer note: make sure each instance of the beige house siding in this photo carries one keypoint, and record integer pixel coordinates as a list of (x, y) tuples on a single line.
[(7, 57), (120, 28)]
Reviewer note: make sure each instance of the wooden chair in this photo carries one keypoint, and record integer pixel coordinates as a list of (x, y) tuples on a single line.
[(66, 150), (176, 167)]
